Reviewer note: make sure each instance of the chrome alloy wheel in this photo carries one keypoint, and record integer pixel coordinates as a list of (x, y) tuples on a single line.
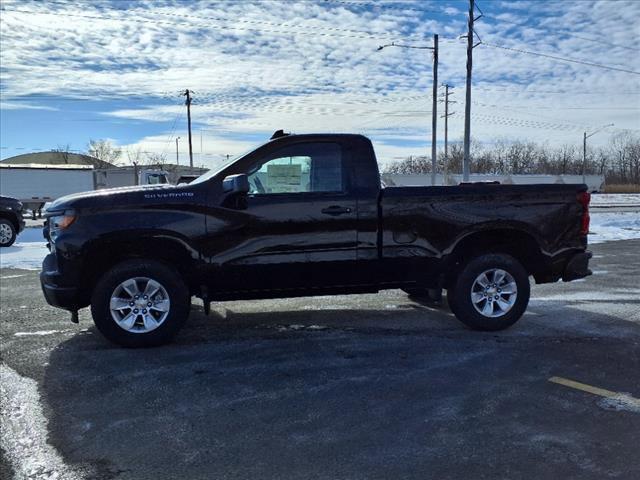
[(139, 305), (494, 293), (6, 234)]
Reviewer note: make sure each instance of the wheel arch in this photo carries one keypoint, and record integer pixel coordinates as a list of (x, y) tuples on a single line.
[(100, 256), (521, 245)]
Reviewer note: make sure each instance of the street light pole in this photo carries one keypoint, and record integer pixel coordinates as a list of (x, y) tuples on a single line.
[(584, 149), (434, 109), (177, 156)]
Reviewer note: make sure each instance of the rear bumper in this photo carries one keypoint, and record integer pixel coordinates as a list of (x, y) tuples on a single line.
[(56, 292), (577, 267)]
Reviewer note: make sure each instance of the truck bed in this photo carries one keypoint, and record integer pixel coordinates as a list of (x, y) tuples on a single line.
[(432, 220)]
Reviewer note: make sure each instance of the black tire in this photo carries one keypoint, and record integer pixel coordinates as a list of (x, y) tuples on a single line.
[(460, 301), (167, 277), (7, 227)]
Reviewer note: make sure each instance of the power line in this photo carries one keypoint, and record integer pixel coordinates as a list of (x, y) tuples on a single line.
[(173, 129), (91, 96), (547, 107), (367, 36), (503, 88), (275, 24), (562, 59), (563, 32), (388, 6)]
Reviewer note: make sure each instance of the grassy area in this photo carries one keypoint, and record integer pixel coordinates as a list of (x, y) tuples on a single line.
[(622, 188)]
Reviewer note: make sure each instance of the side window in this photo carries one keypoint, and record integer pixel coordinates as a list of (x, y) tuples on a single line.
[(308, 167)]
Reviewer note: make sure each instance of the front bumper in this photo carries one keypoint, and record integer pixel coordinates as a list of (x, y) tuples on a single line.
[(577, 267), (56, 292)]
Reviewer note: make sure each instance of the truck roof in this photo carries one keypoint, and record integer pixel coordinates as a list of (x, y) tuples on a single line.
[(279, 135)]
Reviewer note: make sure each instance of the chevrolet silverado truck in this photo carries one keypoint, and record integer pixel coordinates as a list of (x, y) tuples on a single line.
[(11, 220), (306, 215)]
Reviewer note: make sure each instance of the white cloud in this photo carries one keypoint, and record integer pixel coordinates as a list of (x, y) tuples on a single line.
[(24, 106), (304, 66)]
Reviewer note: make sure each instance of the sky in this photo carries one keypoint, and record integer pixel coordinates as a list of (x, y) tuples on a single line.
[(543, 71)]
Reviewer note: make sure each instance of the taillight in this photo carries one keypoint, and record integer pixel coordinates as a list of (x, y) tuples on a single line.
[(583, 199)]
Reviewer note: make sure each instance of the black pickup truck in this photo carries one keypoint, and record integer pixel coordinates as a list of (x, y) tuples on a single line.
[(306, 215), (11, 220)]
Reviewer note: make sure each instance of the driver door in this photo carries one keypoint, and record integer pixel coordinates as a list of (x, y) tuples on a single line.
[(299, 227)]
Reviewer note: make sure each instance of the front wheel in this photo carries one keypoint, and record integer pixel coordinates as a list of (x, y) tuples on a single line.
[(491, 292), (140, 303)]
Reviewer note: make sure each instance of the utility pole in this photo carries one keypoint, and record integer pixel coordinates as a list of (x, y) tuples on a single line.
[(188, 103), (434, 113), (584, 156), (446, 128), (584, 149), (177, 155), (434, 110), (467, 103)]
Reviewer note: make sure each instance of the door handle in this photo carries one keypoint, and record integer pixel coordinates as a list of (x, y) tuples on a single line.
[(335, 210)]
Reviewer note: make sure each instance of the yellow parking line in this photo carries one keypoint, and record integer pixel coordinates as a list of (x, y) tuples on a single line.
[(596, 391)]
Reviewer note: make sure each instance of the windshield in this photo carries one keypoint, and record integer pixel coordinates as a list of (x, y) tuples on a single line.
[(214, 171)]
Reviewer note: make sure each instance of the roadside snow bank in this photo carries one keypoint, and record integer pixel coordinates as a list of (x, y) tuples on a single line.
[(28, 251), (609, 226), (613, 199)]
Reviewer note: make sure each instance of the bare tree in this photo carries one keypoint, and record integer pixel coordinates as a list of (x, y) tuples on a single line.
[(134, 155), (62, 152), (619, 162), (104, 150), (158, 159)]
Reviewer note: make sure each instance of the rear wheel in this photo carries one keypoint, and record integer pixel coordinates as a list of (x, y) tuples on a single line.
[(7, 233), (491, 292), (140, 303)]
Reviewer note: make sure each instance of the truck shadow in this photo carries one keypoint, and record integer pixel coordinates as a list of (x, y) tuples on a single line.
[(410, 314), (260, 393)]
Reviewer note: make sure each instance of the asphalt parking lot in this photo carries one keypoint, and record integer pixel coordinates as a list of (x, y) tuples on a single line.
[(353, 387)]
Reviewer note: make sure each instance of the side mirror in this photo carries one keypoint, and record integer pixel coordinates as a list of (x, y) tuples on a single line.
[(236, 184)]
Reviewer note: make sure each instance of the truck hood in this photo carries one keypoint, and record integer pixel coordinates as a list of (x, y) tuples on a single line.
[(124, 196)]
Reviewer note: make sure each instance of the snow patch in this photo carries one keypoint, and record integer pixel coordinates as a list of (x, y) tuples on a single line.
[(38, 333), (621, 295), (24, 431), (620, 402), (608, 226), (27, 253), (611, 199)]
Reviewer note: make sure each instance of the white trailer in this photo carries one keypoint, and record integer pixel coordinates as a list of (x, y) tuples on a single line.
[(128, 176), (36, 184)]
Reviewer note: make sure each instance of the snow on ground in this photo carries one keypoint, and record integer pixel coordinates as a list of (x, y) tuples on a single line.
[(28, 251), (607, 226), (30, 248), (611, 199), (24, 431)]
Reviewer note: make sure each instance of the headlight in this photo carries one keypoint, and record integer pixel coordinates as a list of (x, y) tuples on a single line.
[(58, 223)]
